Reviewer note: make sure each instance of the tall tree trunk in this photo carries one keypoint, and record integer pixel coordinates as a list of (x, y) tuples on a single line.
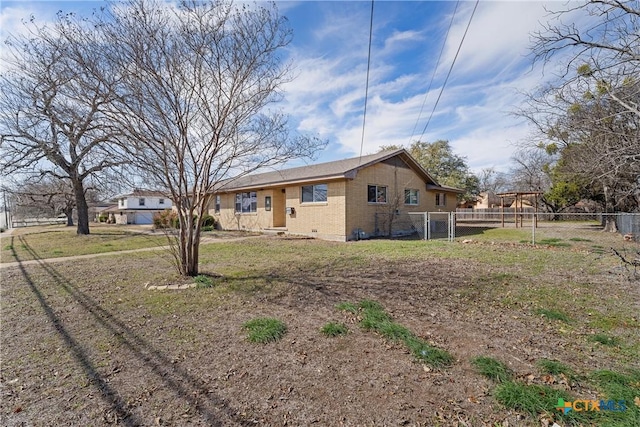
[(81, 206), (69, 214), (189, 241), (609, 220)]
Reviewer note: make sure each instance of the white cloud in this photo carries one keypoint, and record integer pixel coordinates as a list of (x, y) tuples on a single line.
[(474, 113)]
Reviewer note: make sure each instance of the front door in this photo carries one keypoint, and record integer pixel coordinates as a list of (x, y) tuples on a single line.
[(279, 204)]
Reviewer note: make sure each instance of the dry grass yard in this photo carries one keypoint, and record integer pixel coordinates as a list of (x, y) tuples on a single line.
[(380, 332)]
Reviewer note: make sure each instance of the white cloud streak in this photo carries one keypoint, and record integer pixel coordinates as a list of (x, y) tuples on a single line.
[(474, 111)]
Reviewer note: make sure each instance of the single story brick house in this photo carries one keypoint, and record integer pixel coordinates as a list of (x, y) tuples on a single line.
[(337, 200)]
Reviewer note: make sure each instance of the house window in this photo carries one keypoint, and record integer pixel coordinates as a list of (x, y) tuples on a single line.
[(141, 201), (217, 205), (121, 203), (161, 201), (267, 203), (246, 202), (411, 196), (314, 193), (377, 194), (441, 199)]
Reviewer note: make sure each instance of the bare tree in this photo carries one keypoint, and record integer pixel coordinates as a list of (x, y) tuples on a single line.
[(198, 81), (52, 104), (493, 181), (588, 117), (608, 46), (47, 197)]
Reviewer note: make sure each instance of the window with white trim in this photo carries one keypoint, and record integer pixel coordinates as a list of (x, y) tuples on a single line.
[(314, 193), (411, 196), (161, 201), (217, 204), (246, 202), (441, 199), (377, 194), (141, 201)]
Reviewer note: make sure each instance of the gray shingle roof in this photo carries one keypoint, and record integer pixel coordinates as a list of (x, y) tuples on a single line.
[(346, 168)]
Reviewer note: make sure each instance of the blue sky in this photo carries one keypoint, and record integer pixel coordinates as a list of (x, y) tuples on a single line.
[(329, 53)]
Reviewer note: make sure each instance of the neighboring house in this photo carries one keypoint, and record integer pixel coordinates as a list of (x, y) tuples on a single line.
[(487, 200), (138, 207), (336, 200), (98, 209)]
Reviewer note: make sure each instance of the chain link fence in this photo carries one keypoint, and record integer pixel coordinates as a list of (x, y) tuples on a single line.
[(399, 224), (528, 226), (555, 229)]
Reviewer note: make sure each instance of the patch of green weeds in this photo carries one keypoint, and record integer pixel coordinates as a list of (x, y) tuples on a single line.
[(376, 319), (580, 239), (619, 387), (333, 329), (605, 339), (8, 248), (611, 320), (553, 315), (553, 367), (554, 241), (348, 307), (426, 353), (264, 329), (394, 331), (203, 281), (492, 369), (537, 399)]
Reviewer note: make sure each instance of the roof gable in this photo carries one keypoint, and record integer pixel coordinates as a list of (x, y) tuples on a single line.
[(339, 169)]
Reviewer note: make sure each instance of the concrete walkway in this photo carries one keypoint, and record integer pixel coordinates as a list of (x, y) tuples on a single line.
[(204, 241)]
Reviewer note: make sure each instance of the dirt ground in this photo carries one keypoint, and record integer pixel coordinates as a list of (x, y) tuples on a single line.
[(85, 344)]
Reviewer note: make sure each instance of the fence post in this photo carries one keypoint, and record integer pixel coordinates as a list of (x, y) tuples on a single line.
[(427, 224), (534, 219), (452, 226)]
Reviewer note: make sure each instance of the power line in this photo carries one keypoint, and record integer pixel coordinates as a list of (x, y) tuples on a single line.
[(426, 95), (450, 68), (366, 90)]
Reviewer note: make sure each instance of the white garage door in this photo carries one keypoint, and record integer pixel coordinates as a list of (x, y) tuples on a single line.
[(144, 218)]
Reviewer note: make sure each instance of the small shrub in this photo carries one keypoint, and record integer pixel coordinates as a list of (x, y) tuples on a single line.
[(553, 315), (492, 369), (333, 329), (207, 228), (208, 221), (166, 219), (264, 329)]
